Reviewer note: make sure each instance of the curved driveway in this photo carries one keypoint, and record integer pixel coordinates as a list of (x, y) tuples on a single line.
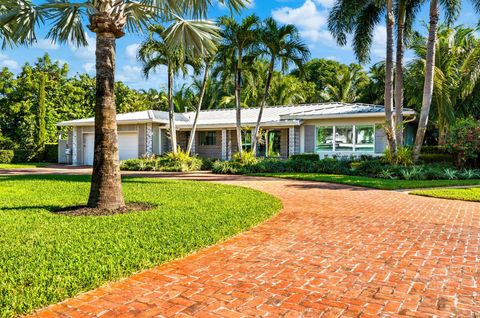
[(333, 251)]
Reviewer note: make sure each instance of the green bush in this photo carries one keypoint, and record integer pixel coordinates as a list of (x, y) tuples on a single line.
[(436, 157), (245, 158), (6, 156), (434, 150), (464, 142), (24, 155), (306, 156), (228, 167), (371, 167), (51, 152), (404, 157), (179, 162)]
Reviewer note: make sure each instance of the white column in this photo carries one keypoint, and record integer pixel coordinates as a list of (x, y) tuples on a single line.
[(224, 144), (74, 147), (302, 139), (229, 145), (149, 139), (160, 142), (291, 141)]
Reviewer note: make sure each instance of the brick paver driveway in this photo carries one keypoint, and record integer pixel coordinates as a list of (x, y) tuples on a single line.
[(333, 251)]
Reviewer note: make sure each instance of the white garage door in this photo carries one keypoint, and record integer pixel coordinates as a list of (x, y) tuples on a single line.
[(88, 148), (127, 146)]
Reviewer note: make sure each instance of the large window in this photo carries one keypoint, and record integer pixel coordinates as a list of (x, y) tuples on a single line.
[(247, 140), (208, 138), (365, 138), (324, 138), (270, 144), (348, 138)]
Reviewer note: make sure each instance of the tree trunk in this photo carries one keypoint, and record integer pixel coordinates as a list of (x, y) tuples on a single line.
[(238, 106), (199, 107), (390, 127), (106, 186), (399, 71), (41, 125), (264, 101), (171, 112), (428, 84)]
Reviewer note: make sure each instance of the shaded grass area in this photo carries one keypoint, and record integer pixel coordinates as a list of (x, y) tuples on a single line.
[(469, 194), (24, 165), (46, 257), (375, 183)]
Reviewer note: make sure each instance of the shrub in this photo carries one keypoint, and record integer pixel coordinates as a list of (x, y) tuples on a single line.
[(404, 157), (306, 157), (6, 156), (51, 152), (436, 157), (370, 167), (228, 167), (207, 164), (434, 150), (450, 173), (469, 174), (464, 142), (24, 155), (171, 162), (245, 158)]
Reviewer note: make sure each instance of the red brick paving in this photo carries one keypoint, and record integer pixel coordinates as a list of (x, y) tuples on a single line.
[(334, 251)]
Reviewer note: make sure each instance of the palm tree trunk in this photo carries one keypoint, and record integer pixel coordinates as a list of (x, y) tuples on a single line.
[(390, 127), (171, 112), (106, 185), (262, 106), (238, 106), (428, 84), (199, 107), (399, 72)]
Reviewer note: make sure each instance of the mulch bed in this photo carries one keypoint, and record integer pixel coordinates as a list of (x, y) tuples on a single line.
[(83, 210)]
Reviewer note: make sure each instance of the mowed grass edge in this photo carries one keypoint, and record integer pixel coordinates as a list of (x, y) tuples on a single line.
[(45, 258), (467, 194)]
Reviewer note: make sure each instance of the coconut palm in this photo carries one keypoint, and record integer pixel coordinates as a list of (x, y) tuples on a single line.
[(238, 42), (279, 44), (155, 52), (109, 20), (347, 86)]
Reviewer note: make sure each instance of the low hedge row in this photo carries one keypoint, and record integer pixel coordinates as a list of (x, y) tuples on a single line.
[(179, 162), (367, 167), (49, 154)]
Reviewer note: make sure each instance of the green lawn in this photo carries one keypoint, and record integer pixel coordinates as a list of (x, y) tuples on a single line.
[(376, 183), (45, 257), (469, 194), (23, 165)]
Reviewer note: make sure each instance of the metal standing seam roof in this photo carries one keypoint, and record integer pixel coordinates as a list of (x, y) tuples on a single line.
[(271, 114)]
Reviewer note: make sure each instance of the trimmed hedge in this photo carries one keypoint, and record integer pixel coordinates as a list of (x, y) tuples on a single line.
[(306, 156), (51, 152), (6, 156)]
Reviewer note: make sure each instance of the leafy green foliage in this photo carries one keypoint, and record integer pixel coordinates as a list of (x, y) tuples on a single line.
[(46, 257), (6, 156), (404, 157), (179, 161), (464, 142), (305, 156)]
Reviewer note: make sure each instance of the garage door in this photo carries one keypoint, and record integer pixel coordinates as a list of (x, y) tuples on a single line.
[(127, 146)]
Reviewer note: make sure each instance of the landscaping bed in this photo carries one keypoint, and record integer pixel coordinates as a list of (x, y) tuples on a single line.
[(24, 165), (46, 257), (468, 194)]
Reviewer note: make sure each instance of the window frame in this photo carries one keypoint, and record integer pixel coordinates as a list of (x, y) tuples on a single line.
[(204, 138), (354, 138)]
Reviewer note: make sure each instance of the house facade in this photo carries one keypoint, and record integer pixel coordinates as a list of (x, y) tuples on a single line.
[(327, 129)]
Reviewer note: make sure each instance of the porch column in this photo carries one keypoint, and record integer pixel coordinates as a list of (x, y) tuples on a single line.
[(229, 145), (74, 147), (291, 141), (224, 144), (149, 140)]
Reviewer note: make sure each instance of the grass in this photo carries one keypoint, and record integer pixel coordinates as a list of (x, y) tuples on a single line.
[(23, 165), (375, 183), (45, 258), (468, 194)]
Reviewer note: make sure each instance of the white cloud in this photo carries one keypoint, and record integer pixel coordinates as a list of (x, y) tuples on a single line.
[(85, 52), (45, 44), (12, 65), (325, 3), (311, 22), (250, 4), (379, 42), (131, 50), (89, 67)]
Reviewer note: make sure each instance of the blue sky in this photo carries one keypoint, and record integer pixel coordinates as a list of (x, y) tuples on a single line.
[(310, 16)]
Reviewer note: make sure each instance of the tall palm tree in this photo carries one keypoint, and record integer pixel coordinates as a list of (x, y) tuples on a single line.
[(347, 85), (206, 75), (155, 52), (280, 44), (238, 41), (109, 20), (452, 8)]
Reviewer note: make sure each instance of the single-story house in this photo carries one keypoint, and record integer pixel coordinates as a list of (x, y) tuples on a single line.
[(327, 129)]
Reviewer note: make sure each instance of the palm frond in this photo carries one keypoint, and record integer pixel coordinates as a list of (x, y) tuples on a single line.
[(198, 36)]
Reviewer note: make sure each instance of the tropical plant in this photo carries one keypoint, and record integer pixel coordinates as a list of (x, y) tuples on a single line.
[(239, 40), (464, 142), (347, 85), (109, 20), (279, 44)]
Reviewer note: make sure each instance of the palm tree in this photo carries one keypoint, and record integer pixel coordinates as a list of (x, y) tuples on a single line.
[(278, 43), (452, 7), (206, 74), (109, 20), (347, 85), (238, 41), (155, 52)]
